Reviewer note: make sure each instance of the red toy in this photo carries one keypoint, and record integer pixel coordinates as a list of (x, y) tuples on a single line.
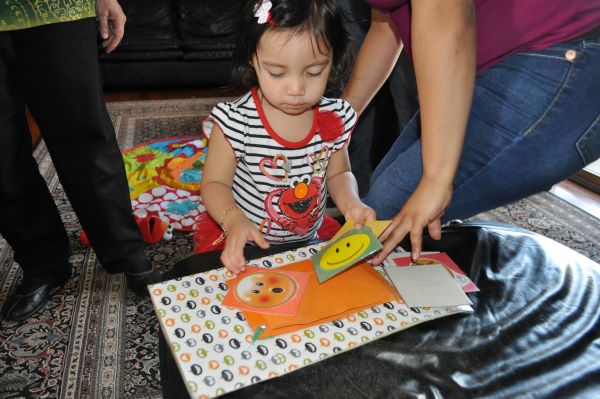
[(153, 230)]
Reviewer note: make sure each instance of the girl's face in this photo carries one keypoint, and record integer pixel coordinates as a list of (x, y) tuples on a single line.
[(292, 70)]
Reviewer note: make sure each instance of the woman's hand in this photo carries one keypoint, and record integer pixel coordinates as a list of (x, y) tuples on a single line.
[(240, 230), (359, 213), (112, 23), (424, 208)]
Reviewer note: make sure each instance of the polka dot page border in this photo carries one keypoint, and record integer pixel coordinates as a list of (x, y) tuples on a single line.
[(212, 344)]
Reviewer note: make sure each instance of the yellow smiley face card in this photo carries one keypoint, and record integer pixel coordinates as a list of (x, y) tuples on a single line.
[(344, 252)]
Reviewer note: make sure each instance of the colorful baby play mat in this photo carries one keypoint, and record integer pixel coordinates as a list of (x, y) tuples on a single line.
[(164, 179), (217, 352)]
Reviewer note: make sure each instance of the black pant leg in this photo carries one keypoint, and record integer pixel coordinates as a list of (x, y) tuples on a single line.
[(203, 262), (63, 91), (29, 219)]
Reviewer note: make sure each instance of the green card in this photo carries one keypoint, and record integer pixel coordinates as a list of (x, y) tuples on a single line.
[(344, 252)]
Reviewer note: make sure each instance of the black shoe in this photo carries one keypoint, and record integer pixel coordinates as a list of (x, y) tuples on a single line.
[(28, 299), (138, 281)]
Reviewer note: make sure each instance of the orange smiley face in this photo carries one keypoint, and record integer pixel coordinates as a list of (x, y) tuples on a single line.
[(266, 289)]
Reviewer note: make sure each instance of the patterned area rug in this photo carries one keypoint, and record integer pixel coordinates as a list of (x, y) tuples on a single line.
[(97, 340)]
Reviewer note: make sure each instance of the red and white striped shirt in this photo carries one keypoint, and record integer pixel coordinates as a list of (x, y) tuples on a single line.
[(281, 185)]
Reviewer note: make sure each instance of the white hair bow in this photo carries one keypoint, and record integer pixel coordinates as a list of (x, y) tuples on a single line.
[(262, 11)]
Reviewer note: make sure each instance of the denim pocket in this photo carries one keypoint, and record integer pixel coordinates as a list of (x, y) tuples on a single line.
[(563, 52), (588, 145), (518, 91)]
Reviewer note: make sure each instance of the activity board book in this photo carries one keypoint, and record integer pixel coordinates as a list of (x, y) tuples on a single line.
[(213, 344)]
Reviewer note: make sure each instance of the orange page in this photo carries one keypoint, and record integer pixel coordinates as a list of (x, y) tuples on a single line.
[(355, 289)]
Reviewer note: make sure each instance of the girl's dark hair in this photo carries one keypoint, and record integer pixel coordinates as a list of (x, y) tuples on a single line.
[(322, 18)]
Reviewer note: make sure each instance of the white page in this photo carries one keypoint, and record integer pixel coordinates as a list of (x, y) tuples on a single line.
[(426, 286)]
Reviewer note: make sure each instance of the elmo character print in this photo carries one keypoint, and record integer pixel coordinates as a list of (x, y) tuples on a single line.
[(296, 208)]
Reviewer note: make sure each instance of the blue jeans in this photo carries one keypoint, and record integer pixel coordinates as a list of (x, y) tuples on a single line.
[(534, 121)]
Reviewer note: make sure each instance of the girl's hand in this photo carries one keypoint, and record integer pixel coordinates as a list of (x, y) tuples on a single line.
[(240, 230), (359, 213), (424, 208)]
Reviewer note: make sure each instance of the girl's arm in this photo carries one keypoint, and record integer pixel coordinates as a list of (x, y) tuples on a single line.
[(217, 175), (444, 56), (217, 195), (376, 59), (342, 186)]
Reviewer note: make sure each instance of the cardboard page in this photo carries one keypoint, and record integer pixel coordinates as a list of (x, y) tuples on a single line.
[(265, 290), (426, 286), (345, 252), (359, 288), (428, 258), (377, 226)]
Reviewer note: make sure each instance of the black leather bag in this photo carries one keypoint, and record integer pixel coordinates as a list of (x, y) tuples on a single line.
[(535, 332)]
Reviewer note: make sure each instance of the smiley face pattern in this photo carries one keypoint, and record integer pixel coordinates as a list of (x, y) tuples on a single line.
[(213, 347), (266, 289)]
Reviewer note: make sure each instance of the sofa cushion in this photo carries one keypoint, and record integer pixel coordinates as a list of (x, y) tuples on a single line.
[(198, 55), (207, 24), (150, 26), (165, 74), (141, 55), (218, 47)]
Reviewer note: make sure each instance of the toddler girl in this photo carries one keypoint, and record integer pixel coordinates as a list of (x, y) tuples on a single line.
[(276, 151)]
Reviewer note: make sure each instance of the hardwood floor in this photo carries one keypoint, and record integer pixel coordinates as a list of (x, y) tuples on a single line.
[(572, 192), (114, 96), (578, 195)]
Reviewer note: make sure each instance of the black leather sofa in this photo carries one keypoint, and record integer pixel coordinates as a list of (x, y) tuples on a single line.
[(172, 43)]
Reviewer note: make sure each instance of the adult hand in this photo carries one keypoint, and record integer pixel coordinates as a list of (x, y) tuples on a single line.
[(240, 230), (424, 208), (112, 23), (359, 213)]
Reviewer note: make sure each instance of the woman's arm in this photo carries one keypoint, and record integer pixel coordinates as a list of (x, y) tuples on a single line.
[(443, 46), (376, 59), (443, 39)]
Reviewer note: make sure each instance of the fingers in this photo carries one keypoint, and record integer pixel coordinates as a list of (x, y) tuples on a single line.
[(112, 29), (389, 230), (363, 214), (371, 215), (390, 239), (416, 240), (435, 229), (104, 29), (236, 267), (118, 29), (259, 239), (232, 257), (366, 214)]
